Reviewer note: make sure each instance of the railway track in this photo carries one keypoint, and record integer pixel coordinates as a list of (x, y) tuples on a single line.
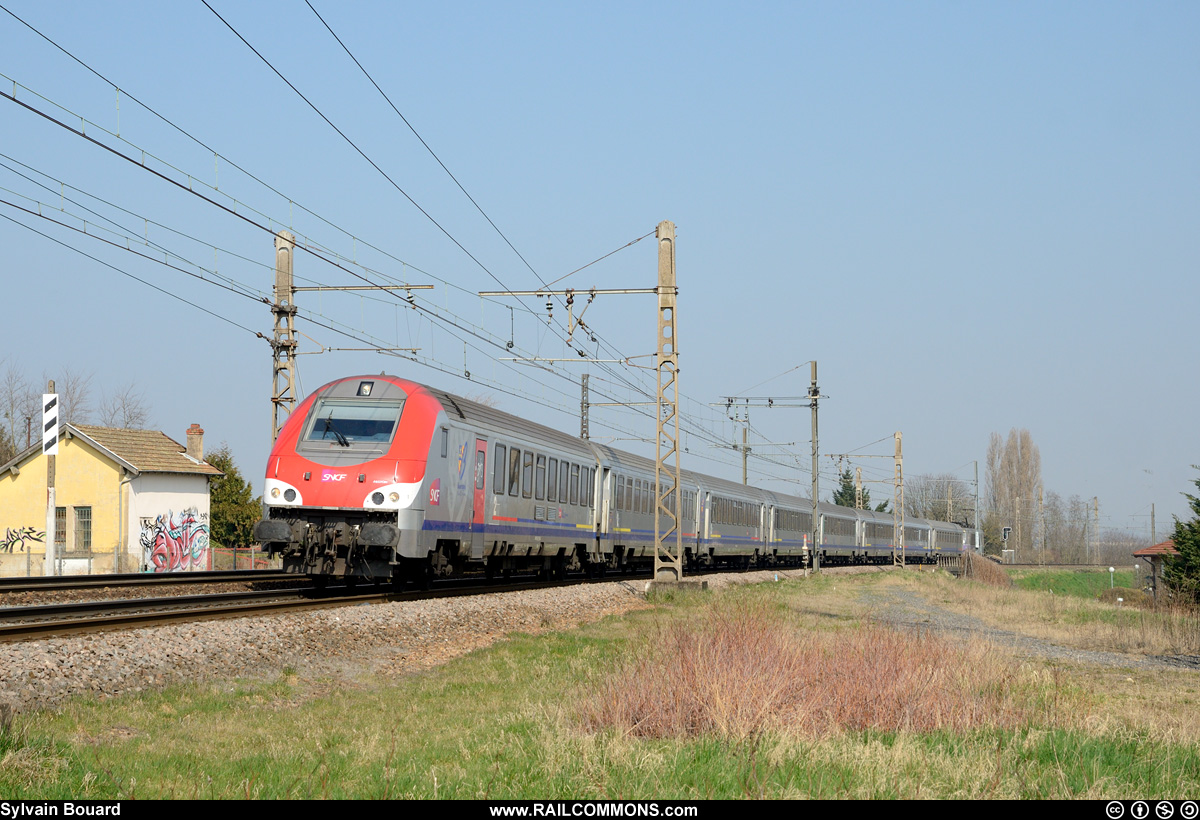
[(56, 583), (19, 623)]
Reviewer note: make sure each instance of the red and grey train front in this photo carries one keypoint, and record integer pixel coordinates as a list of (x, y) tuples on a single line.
[(343, 477)]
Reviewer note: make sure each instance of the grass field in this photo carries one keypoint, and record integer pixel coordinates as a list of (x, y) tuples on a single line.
[(781, 691), (1085, 583)]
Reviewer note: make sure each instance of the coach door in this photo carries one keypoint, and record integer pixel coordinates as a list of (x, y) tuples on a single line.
[(477, 504)]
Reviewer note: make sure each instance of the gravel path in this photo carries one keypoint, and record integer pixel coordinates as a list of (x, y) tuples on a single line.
[(908, 610)]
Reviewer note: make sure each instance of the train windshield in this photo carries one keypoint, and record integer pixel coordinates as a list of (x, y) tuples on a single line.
[(345, 421)]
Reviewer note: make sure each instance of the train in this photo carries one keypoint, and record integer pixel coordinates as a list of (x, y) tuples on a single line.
[(379, 478)]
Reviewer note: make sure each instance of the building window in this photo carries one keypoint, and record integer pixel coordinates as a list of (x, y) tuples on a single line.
[(83, 531), (60, 529)]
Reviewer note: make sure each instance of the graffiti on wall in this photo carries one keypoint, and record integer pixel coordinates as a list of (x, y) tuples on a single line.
[(21, 535), (173, 543)]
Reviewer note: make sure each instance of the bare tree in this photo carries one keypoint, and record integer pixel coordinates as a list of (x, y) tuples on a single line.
[(125, 407), (74, 395), (19, 405), (940, 497), (1014, 479)]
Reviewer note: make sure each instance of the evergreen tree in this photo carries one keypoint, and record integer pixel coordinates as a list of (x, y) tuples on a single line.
[(1182, 572), (843, 496), (232, 507)]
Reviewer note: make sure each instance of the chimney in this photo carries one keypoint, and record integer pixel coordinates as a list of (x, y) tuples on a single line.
[(195, 442)]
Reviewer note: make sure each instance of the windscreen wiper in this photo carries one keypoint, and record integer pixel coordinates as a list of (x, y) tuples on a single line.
[(329, 428)]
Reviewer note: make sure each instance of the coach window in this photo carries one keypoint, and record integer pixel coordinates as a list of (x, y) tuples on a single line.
[(498, 475), (574, 483), (620, 482), (552, 484), (539, 481), (527, 475), (514, 471)]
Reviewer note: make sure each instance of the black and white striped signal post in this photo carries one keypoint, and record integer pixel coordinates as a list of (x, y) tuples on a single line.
[(50, 450)]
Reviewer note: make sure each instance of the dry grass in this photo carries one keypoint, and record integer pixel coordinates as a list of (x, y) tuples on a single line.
[(985, 571), (1073, 621), (741, 671)]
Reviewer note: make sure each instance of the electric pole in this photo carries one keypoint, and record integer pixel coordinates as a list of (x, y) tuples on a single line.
[(975, 516), (283, 341), (1042, 523), (858, 502), (584, 404), (814, 393), (898, 506), (668, 557)]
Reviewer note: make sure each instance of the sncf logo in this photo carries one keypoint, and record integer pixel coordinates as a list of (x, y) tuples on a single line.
[(329, 476), (462, 460), (435, 492)]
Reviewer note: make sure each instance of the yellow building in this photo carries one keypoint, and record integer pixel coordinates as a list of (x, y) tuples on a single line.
[(125, 501)]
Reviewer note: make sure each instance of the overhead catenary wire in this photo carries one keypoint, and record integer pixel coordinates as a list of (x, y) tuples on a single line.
[(176, 296), (370, 161), (640, 389)]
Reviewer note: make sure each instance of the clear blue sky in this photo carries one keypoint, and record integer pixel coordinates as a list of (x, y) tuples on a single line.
[(974, 216)]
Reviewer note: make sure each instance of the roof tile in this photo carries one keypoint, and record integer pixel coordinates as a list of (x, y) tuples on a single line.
[(150, 451)]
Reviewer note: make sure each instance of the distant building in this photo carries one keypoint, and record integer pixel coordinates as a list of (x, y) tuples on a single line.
[(1151, 560), (125, 501)]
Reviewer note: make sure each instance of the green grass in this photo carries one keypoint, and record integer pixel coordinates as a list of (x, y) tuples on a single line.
[(508, 722), (1080, 583)]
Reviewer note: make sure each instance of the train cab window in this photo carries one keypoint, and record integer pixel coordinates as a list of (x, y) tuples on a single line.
[(514, 471), (346, 422), (445, 441), (527, 475), (498, 475), (552, 484), (574, 483), (539, 481), (563, 471)]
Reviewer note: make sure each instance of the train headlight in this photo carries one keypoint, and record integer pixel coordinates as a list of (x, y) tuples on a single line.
[(288, 495), (378, 497), (274, 492), (394, 497)]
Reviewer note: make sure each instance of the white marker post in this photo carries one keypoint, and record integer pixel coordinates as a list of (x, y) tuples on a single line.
[(50, 450)]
